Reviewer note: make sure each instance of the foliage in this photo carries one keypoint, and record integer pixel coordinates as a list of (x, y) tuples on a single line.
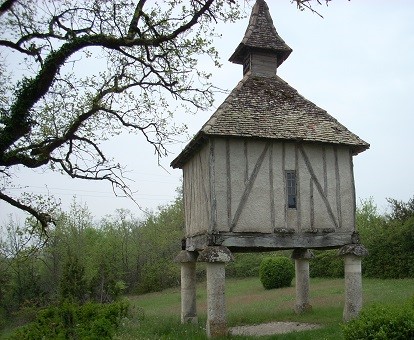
[(401, 211), (82, 260), (159, 242), (389, 239), (382, 322), (276, 272), (368, 220), (391, 253), (326, 263), (244, 265), (19, 274), (73, 321), (73, 282)]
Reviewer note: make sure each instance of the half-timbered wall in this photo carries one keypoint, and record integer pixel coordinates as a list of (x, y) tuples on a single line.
[(239, 185)]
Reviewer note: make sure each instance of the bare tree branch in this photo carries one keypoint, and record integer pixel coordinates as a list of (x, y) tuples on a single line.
[(53, 115), (307, 5), (43, 218)]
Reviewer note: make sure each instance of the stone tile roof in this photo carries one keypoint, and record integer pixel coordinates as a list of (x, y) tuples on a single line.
[(261, 34), (268, 107)]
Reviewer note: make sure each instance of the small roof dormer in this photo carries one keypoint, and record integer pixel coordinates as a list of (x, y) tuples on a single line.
[(262, 50)]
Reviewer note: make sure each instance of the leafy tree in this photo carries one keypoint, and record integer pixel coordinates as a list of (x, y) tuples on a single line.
[(401, 211), (75, 73), (159, 241), (73, 282), (20, 272), (120, 241), (368, 220), (389, 239)]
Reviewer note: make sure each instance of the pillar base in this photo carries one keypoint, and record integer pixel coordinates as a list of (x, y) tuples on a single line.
[(303, 308), (189, 319), (216, 329)]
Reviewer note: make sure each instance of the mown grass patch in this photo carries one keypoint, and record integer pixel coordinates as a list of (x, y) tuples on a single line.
[(158, 314)]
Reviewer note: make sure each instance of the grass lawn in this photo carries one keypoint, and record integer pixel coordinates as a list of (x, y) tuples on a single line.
[(157, 315)]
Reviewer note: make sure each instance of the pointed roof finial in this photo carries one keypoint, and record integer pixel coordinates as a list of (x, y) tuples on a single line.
[(261, 35)]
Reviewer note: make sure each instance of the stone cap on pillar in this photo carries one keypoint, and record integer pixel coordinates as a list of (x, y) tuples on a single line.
[(302, 253), (213, 254), (186, 256), (353, 249)]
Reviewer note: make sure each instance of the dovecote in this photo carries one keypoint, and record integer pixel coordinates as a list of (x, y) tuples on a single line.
[(269, 170)]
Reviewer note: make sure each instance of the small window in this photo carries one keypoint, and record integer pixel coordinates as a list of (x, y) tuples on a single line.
[(291, 188)]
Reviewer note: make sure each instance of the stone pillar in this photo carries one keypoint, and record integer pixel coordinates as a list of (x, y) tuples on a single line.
[(216, 258), (352, 254), (188, 286), (302, 257)]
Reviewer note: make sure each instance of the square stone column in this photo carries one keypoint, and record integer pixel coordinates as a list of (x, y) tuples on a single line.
[(216, 258), (352, 254), (302, 257), (188, 286)]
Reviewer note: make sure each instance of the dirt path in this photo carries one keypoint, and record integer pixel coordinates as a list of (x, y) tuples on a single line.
[(272, 328)]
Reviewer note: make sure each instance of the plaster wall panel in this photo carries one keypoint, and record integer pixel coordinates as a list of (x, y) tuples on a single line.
[(322, 202), (238, 168), (254, 205), (196, 188), (347, 189), (307, 188), (332, 183), (278, 186), (289, 156), (222, 156)]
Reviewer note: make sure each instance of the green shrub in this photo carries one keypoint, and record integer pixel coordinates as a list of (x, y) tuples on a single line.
[(326, 263), (276, 272), (382, 322), (391, 251), (72, 321)]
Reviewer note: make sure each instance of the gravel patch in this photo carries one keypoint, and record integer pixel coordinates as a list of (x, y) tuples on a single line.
[(272, 328)]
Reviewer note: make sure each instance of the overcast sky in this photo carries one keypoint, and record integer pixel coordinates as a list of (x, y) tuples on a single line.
[(356, 63)]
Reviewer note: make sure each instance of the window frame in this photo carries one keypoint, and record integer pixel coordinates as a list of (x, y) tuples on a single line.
[(291, 189)]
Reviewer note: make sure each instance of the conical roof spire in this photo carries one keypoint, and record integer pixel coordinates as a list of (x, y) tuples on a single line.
[(261, 35)]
